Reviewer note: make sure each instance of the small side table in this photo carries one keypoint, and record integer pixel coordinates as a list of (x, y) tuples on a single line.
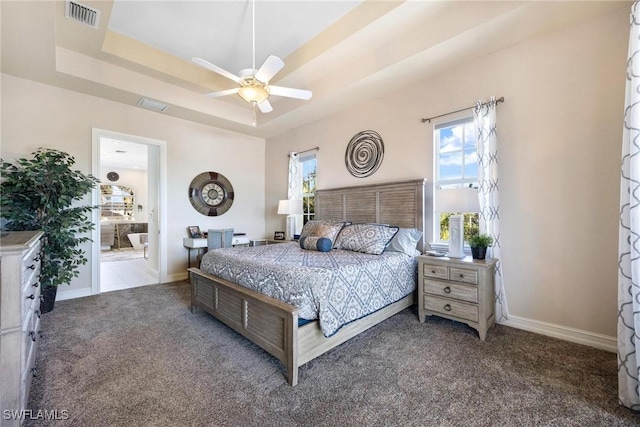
[(201, 244), (197, 243), (457, 289)]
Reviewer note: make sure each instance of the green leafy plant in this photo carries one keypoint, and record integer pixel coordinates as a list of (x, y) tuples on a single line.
[(38, 194), (480, 241)]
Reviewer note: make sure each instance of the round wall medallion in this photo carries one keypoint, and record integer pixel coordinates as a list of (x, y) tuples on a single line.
[(364, 154), (211, 193), (113, 176)]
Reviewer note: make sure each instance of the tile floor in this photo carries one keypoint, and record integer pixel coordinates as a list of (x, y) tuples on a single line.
[(126, 274)]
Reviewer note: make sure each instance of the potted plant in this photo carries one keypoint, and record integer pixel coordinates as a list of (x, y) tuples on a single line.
[(479, 244), (38, 194)]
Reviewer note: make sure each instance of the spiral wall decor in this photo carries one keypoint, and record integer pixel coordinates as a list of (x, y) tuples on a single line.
[(364, 154)]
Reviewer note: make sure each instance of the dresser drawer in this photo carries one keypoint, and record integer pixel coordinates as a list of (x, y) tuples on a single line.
[(435, 271), (450, 307), (30, 336), (451, 290), (27, 375), (464, 275), (30, 299)]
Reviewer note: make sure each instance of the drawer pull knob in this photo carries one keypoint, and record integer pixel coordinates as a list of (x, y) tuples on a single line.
[(34, 372), (32, 296), (35, 285), (461, 276), (447, 307), (32, 267), (447, 290), (32, 334), (433, 272)]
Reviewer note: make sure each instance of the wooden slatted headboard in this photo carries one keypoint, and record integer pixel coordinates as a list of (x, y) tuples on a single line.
[(401, 203)]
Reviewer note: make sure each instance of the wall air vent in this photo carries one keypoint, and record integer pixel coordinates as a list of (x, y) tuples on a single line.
[(83, 14), (152, 104)]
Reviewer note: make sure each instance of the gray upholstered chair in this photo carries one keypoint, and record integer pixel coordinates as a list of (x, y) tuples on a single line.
[(219, 238)]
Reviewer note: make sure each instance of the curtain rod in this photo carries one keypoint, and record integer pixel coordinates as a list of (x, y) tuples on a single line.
[(501, 99), (305, 151)]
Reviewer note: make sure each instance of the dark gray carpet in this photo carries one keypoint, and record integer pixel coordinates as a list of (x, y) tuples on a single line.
[(139, 357)]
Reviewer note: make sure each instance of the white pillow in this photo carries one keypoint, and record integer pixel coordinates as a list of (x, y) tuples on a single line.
[(405, 241)]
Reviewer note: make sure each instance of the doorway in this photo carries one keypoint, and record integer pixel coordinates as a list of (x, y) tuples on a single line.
[(128, 248)]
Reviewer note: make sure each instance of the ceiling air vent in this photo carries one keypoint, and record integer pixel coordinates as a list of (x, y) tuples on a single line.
[(152, 104), (83, 14)]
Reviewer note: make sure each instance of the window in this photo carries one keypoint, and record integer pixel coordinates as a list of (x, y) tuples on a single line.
[(309, 168), (456, 165)]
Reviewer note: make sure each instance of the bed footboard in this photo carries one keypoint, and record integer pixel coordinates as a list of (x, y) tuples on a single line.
[(267, 322)]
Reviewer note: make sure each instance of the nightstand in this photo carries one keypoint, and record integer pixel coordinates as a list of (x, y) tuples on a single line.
[(457, 289)]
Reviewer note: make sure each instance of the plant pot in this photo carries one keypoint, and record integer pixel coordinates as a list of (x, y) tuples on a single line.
[(479, 253), (48, 299)]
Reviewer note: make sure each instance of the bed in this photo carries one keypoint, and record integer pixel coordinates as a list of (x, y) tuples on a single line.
[(274, 324)]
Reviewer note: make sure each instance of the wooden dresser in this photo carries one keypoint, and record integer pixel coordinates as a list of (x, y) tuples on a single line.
[(458, 289), (19, 318)]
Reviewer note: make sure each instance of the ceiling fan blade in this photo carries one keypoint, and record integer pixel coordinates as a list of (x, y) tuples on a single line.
[(271, 66), (265, 106), (222, 92), (216, 69), (290, 92)]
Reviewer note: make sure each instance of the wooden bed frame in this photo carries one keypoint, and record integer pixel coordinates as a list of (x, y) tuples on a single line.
[(273, 324)]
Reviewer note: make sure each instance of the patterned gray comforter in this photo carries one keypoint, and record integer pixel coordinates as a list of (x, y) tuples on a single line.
[(336, 287)]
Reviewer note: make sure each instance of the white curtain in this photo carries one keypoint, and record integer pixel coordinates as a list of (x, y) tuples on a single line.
[(295, 186), (629, 236), (484, 116)]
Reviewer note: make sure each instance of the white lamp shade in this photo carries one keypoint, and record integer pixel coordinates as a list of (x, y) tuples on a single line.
[(290, 207), (457, 200)]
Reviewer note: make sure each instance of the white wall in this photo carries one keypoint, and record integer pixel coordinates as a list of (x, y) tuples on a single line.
[(35, 115), (560, 131)]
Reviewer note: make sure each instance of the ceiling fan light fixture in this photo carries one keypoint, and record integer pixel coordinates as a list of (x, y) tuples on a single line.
[(253, 93)]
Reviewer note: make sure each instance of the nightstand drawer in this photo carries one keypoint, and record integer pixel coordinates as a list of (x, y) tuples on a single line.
[(464, 275), (436, 271), (453, 308), (451, 290)]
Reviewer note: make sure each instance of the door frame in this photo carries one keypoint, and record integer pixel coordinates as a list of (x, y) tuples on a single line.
[(161, 210)]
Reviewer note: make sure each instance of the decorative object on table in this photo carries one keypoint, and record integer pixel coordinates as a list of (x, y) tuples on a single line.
[(211, 193), (457, 201), (479, 244), (194, 231), (290, 208), (38, 194), (278, 235), (364, 154), (113, 176)]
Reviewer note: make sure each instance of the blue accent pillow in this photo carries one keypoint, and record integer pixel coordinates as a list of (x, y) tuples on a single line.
[(315, 243)]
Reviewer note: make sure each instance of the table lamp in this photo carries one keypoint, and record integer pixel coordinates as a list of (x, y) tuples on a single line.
[(457, 201), (290, 208)]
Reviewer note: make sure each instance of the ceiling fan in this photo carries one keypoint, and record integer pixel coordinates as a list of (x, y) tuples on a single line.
[(253, 83)]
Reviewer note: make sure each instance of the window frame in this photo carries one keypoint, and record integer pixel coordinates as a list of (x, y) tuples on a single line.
[(464, 180), (308, 197)]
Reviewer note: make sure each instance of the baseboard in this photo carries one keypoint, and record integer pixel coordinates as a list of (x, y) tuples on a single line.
[(75, 293), (578, 336), (178, 277)]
